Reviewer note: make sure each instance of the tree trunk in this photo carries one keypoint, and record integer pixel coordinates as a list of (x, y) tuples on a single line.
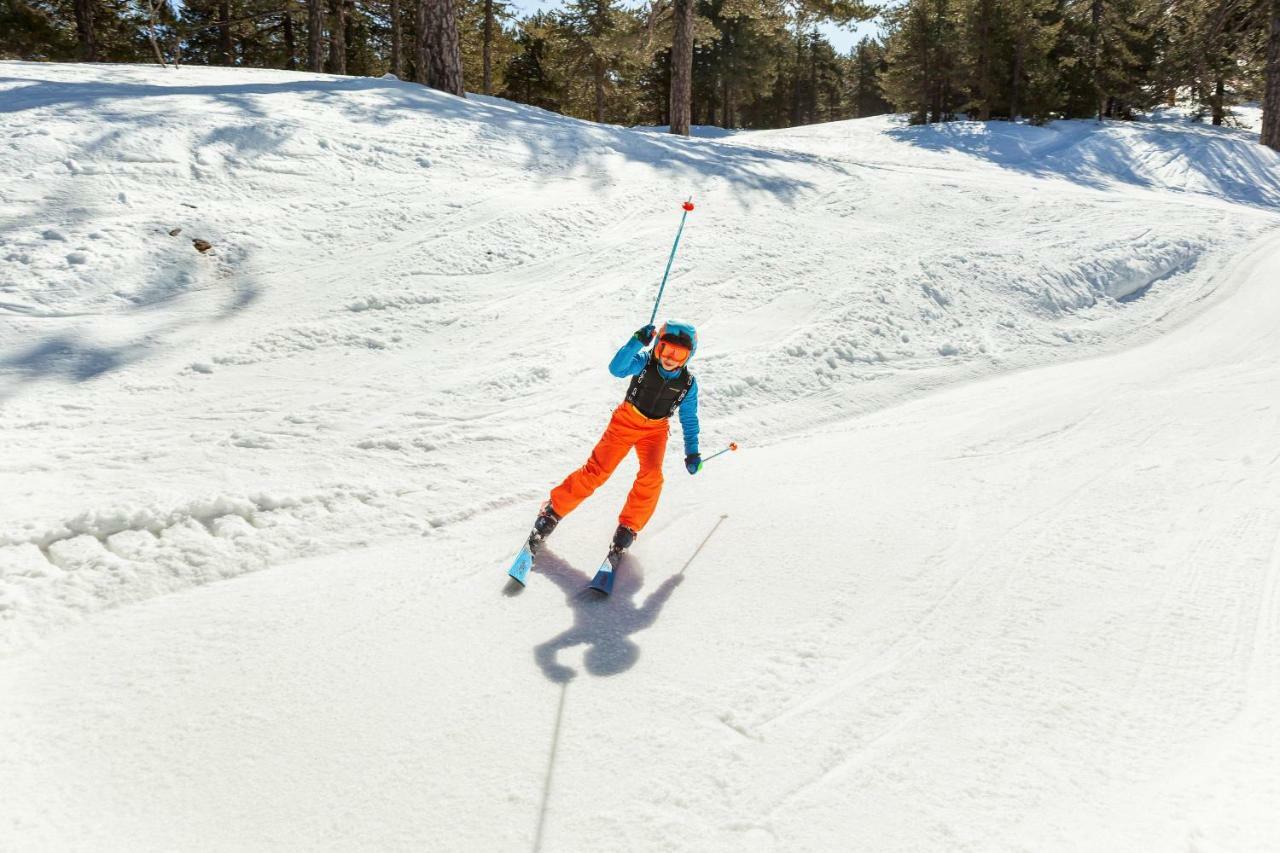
[(224, 32), (1017, 77), (985, 87), (597, 80), (926, 82), (682, 68), (421, 52), (315, 36), (85, 31), (1219, 102), (664, 116), (397, 41), (728, 114), (1271, 100), (349, 23), (338, 37), (796, 118), (444, 53), (151, 32), (290, 48), (812, 105), (1095, 16), (488, 48)]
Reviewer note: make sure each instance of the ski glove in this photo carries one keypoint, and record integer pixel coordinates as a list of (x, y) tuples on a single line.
[(693, 462), (645, 335)]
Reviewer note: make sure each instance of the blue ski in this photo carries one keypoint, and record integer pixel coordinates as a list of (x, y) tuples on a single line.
[(521, 564), (603, 581)]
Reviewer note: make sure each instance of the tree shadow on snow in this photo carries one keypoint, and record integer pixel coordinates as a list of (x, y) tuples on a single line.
[(602, 623), (148, 299), (72, 357), (68, 357), (554, 144)]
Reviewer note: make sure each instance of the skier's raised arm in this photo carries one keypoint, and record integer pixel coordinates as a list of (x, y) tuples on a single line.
[(631, 358)]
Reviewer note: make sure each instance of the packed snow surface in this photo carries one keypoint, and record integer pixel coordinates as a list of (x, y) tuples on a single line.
[(997, 567)]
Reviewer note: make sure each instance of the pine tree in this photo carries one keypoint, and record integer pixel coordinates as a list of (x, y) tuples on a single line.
[(981, 41), (38, 30), (206, 27), (719, 55), (923, 55), (594, 28), (529, 76), (475, 18), (1110, 43), (868, 63), (1211, 41), (1034, 31), (827, 82)]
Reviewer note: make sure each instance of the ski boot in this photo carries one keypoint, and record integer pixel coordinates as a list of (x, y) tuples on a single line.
[(546, 522), (542, 526), (622, 539)]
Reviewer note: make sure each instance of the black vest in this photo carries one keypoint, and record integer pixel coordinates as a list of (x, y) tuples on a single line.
[(655, 396)]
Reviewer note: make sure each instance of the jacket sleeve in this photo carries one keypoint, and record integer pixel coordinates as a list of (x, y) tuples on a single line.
[(689, 419), (629, 360)]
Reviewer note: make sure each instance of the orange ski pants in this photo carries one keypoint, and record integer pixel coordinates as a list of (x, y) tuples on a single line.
[(627, 429)]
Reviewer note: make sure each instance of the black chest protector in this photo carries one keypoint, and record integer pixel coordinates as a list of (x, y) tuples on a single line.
[(655, 396)]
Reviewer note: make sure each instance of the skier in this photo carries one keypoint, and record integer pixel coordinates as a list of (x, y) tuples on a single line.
[(661, 383)]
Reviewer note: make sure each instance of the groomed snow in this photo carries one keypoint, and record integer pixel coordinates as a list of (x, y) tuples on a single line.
[(997, 567)]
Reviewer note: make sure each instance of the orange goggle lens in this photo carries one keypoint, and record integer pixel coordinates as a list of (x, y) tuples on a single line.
[(671, 351)]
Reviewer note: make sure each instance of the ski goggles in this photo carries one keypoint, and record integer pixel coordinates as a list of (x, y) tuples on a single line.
[(671, 351)]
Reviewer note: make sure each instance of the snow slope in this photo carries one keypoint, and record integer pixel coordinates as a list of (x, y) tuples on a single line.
[(940, 600)]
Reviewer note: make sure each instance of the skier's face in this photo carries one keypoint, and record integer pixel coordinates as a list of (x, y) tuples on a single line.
[(671, 354)]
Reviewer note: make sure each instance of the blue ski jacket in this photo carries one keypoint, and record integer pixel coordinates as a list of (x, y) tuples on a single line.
[(631, 359)]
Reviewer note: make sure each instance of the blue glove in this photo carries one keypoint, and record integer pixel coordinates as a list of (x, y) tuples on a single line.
[(645, 335), (693, 462)]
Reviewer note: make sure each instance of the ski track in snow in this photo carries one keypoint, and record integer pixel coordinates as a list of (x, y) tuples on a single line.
[(1028, 609)]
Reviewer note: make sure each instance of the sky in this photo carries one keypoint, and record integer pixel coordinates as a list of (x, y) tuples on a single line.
[(844, 38)]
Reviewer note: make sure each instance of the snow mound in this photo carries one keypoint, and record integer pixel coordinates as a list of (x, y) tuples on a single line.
[(1177, 156)]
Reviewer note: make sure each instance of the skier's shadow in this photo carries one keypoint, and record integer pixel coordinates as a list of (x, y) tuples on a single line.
[(603, 624)]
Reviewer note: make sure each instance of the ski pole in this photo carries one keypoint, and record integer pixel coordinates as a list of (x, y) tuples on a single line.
[(688, 206), (733, 445)]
